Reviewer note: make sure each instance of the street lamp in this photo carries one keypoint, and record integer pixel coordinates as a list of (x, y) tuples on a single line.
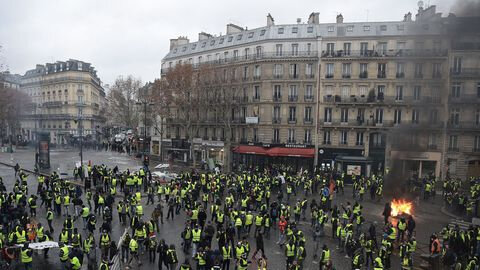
[(144, 103), (80, 133)]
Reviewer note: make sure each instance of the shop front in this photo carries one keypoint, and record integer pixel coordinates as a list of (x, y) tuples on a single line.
[(416, 164), (327, 156), (293, 157)]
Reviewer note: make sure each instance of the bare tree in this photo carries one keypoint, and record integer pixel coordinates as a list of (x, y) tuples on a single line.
[(122, 98)]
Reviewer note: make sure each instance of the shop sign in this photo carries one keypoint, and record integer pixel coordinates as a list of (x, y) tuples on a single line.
[(213, 143), (197, 140), (295, 145), (251, 120)]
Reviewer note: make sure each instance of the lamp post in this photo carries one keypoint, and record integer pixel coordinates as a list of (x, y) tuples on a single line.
[(144, 103), (80, 133)]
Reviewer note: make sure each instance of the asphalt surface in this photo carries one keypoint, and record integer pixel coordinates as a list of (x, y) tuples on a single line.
[(428, 216)]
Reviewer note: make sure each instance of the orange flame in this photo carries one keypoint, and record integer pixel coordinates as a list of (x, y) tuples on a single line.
[(401, 206)]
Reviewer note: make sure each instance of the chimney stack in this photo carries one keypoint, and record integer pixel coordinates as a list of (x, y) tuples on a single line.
[(314, 18), (339, 18), (407, 17), (232, 28), (270, 20), (203, 35)]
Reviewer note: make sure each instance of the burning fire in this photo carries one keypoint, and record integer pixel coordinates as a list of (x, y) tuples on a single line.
[(400, 207)]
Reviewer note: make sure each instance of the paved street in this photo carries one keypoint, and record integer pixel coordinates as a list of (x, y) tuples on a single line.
[(427, 214)]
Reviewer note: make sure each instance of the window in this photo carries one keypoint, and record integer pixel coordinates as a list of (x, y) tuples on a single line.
[(277, 70), (359, 138), (326, 137), (382, 70), (230, 38), (345, 92), (250, 35), (258, 51), (184, 48), (309, 48), (309, 70), (310, 29), (453, 142), (294, 30), (344, 137), (457, 64), (221, 40), (380, 92), (363, 70), (280, 30), (212, 42), (293, 91), (363, 90), (244, 134), (308, 136), (379, 116), (383, 27), (331, 28), (433, 116), (456, 89), (397, 116), (247, 53), (329, 90), (245, 72), (262, 33), (256, 92), (327, 115), (294, 49), (257, 71), (344, 115), (418, 70), (400, 70), (294, 71), (478, 90), (399, 93), (366, 28), (309, 91), (255, 134), (239, 37), (476, 143), (330, 48), (347, 48), (194, 46), (235, 54), (363, 48), (276, 135), (329, 70), (400, 27), (346, 70), (291, 135), (477, 117), (454, 116), (382, 48), (415, 116), (437, 70), (350, 28), (204, 44), (278, 51), (417, 92), (308, 114), (292, 113), (276, 112)]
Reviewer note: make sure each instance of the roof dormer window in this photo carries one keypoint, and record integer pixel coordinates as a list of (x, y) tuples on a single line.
[(250, 35), (212, 42), (194, 46), (366, 28), (230, 38), (280, 31), (239, 37), (331, 28), (294, 30), (262, 32), (203, 44), (310, 29), (221, 40)]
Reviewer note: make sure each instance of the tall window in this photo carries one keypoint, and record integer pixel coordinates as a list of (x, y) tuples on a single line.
[(382, 70), (457, 64), (347, 48), (382, 48), (363, 48), (453, 142), (309, 48), (417, 92), (309, 70), (397, 116), (278, 70), (346, 70), (345, 92), (415, 116), (344, 115), (359, 138), (235, 55), (279, 50), (292, 113), (276, 135), (257, 71), (476, 143), (477, 117), (245, 72), (400, 70), (309, 91), (247, 53), (291, 135), (329, 70), (399, 93), (379, 116), (295, 49), (454, 116), (418, 70), (292, 93), (308, 136), (276, 112), (331, 48), (255, 134), (326, 137), (433, 116), (258, 51), (308, 113), (437, 70), (294, 70), (327, 118), (363, 70), (256, 92), (456, 89), (344, 137), (277, 91)]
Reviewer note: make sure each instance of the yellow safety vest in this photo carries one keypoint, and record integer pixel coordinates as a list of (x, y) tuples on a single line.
[(25, 257)]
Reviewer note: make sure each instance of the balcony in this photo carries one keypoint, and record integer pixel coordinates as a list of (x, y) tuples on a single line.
[(81, 104), (292, 120), (363, 75), (346, 76), (471, 125), (278, 76), (418, 76), (328, 76), (257, 77), (432, 147), (465, 72), (464, 99), (400, 75), (293, 98), (245, 79), (277, 98), (256, 98), (276, 120), (383, 53), (291, 141), (52, 104), (294, 76), (381, 75), (308, 121), (309, 76), (326, 142), (308, 98), (453, 149), (436, 75)]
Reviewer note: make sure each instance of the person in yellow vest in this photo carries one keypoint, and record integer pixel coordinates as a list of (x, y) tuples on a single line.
[(378, 264), (64, 253), (134, 251), (262, 263), (201, 259), (401, 226), (50, 219), (290, 252), (196, 238), (20, 236), (75, 262), (242, 263), (105, 265), (407, 263), (26, 256), (104, 244), (226, 256), (66, 203), (185, 265), (325, 258)]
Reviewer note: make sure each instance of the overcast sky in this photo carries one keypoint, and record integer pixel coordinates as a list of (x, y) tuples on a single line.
[(122, 37)]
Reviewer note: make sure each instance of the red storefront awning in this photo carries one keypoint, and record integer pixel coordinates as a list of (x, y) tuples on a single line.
[(291, 152), (249, 149)]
